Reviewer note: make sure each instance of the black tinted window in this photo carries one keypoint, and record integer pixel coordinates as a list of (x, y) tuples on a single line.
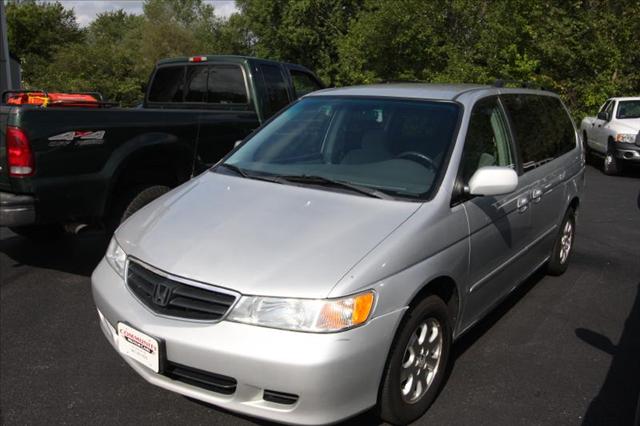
[(561, 126), (629, 109), (542, 128), (303, 83), (196, 84), (226, 85), (275, 90), (167, 85)]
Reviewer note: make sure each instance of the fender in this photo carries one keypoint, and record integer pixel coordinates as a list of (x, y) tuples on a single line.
[(146, 145)]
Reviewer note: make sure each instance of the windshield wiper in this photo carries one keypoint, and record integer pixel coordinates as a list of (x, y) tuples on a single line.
[(243, 173), (311, 179), (323, 181), (236, 169)]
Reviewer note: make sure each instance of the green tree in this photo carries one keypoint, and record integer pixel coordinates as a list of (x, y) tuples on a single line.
[(302, 31), (36, 31), (105, 61)]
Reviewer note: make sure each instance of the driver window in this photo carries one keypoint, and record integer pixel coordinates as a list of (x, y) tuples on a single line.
[(604, 106), (609, 108), (487, 142)]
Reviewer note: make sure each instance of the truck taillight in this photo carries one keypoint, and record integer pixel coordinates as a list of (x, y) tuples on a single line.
[(198, 59), (19, 155)]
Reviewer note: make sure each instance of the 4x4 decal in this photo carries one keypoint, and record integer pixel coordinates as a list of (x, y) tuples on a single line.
[(82, 137)]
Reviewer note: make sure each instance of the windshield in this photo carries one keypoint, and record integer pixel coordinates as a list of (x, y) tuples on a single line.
[(393, 146), (629, 109)]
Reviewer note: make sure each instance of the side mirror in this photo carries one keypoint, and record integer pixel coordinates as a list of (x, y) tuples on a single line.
[(236, 143), (493, 180), (603, 116)]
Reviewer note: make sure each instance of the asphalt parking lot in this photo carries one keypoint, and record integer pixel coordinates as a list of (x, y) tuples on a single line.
[(560, 351)]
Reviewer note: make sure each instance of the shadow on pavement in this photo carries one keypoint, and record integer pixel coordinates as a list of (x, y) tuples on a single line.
[(478, 330), (75, 254), (618, 400)]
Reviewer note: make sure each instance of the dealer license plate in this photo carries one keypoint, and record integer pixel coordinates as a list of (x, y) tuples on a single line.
[(139, 346)]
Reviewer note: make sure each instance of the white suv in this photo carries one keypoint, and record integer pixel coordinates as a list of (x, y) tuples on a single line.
[(613, 133)]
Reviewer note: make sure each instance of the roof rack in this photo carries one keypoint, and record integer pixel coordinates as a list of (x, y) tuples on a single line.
[(523, 84)]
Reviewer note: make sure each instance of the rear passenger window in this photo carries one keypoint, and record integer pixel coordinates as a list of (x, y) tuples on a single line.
[(303, 83), (561, 126), (167, 85), (542, 128), (196, 84), (487, 142), (226, 85), (275, 90)]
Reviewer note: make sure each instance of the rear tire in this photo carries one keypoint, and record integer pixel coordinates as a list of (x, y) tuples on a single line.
[(133, 200), (411, 363), (563, 246), (45, 232)]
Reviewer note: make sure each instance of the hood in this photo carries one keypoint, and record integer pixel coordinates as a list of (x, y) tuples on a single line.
[(628, 125), (259, 237)]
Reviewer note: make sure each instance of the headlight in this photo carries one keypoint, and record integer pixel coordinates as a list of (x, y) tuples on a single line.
[(116, 257), (311, 315), (625, 137)]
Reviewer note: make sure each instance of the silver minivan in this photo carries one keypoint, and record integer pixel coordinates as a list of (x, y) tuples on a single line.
[(328, 263)]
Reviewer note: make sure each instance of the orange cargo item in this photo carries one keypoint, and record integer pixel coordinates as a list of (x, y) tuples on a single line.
[(53, 99)]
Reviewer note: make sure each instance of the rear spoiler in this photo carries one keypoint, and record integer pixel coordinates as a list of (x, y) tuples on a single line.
[(43, 98)]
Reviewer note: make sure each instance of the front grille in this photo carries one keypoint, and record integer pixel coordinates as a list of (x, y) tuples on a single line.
[(167, 296), (210, 381)]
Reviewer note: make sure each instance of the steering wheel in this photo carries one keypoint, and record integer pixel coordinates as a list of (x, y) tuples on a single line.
[(418, 157)]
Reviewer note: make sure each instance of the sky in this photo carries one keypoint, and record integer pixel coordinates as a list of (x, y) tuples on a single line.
[(86, 10)]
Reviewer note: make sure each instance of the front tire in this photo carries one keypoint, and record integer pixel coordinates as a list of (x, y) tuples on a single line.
[(612, 166), (563, 247), (133, 200), (417, 362), (587, 150)]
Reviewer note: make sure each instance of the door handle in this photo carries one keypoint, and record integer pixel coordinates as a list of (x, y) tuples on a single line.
[(522, 204), (536, 195)]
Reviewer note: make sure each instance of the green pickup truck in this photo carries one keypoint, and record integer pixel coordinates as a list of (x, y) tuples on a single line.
[(62, 166)]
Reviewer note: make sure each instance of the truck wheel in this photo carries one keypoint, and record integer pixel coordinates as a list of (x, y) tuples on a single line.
[(587, 150), (417, 363), (133, 200), (563, 247), (612, 165), (46, 232)]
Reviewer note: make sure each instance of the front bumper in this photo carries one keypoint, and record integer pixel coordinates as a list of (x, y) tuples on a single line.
[(334, 375), (629, 152), (16, 210)]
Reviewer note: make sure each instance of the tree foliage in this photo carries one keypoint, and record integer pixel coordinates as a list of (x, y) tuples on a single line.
[(586, 50), (36, 31)]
